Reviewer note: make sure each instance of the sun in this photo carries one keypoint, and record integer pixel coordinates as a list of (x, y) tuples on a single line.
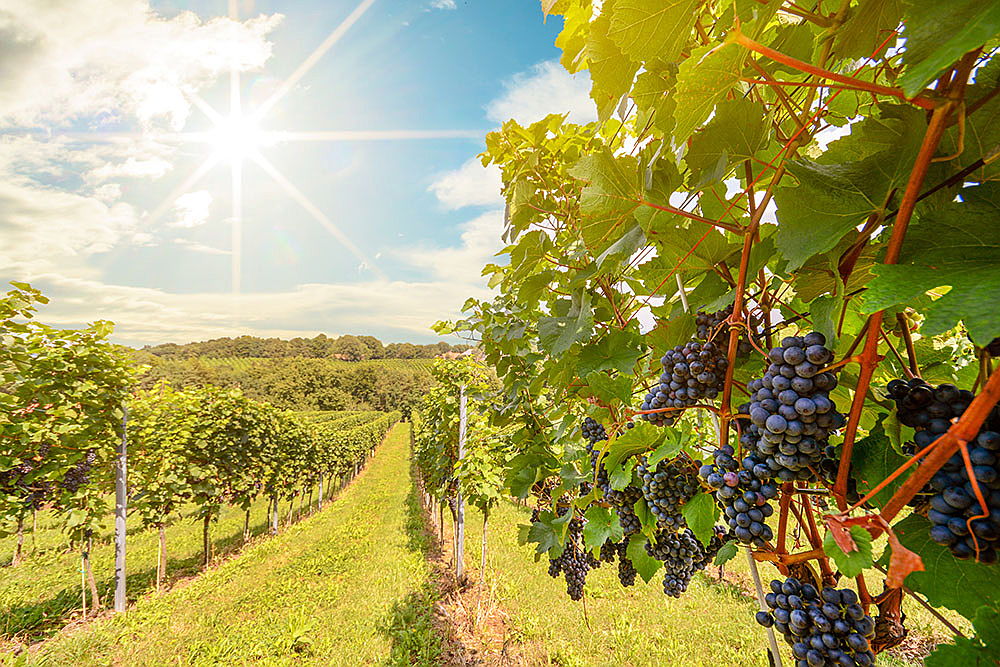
[(236, 138)]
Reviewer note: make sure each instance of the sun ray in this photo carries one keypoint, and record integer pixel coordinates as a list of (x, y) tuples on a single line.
[(313, 210), (314, 57), (192, 178), (376, 135)]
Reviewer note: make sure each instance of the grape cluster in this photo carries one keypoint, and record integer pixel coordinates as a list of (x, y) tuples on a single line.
[(826, 627), (626, 569), (955, 502), (575, 561), (79, 474), (18, 481), (667, 486), (952, 498), (927, 409), (691, 372), (743, 491), (791, 413), (682, 555), (708, 324), (710, 327)]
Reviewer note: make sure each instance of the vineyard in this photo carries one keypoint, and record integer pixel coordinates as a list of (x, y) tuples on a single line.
[(732, 397)]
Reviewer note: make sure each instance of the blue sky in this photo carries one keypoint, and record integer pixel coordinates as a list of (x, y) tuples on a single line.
[(102, 128)]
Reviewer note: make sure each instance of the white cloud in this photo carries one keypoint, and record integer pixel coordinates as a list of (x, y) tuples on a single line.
[(192, 209), (151, 167), (472, 184), (463, 264), (545, 89), (398, 310), (200, 247), (105, 60), (443, 4)]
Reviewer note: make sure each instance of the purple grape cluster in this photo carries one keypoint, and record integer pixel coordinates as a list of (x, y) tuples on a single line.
[(952, 502), (791, 414), (824, 628), (622, 501), (691, 373), (682, 555), (667, 486), (574, 562), (743, 490)]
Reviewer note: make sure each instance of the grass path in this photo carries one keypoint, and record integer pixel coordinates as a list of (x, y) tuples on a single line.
[(345, 586)]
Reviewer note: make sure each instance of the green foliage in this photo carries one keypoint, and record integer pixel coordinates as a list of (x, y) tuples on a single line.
[(618, 231), (61, 398), (436, 436)]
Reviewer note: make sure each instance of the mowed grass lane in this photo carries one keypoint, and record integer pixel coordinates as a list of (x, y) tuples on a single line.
[(345, 586)]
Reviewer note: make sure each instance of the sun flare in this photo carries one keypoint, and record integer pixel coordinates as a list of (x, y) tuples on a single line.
[(235, 138)]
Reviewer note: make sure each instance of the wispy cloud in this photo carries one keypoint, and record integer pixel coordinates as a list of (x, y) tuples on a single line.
[(469, 185), (443, 4), (545, 89), (191, 209)]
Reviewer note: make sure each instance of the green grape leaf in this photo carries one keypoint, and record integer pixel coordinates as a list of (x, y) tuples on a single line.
[(873, 460), (939, 33), (652, 29), (609, 389), (850, 564), (701, 513), (611, 71), (612, 191), (638, 440), (617, 350), (704, 80), (644, 564), (866, 28), (735, 133), (948, 247), (726, 553), (557, 334), (983, 650), (961, 585), (602, 525)]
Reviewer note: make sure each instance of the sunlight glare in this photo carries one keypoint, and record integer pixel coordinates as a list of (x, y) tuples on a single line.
[(236, 138)]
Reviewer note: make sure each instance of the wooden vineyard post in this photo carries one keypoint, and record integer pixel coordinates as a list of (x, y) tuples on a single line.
[(775, 654), (206, 539), (121, 509), (161, 558), (460, 510), (320, 499), (482, 558), (274, 516)]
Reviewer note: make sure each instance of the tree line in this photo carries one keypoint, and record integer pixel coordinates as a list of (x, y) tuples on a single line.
[(346, 348)]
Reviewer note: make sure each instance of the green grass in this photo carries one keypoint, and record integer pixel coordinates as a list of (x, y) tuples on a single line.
[(347, 585), (42, 594)]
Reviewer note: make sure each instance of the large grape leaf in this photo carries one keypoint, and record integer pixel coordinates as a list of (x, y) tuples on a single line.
[(612, 189), (644, 564), (872, 460), (601, 526), (837, 192), (866, 28), (611, 71), (983, 650), (704, 80), (652, 99), (939, 33), (956, 246), (700, 513), (557, 334), (736, 132), (617, 350), (652, 29), (962, 585)]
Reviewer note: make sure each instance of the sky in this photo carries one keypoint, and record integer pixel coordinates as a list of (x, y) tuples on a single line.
[(205, 168)]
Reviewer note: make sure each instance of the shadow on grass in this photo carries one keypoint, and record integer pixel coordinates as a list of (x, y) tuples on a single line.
[(42, 619), (409, 624)]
